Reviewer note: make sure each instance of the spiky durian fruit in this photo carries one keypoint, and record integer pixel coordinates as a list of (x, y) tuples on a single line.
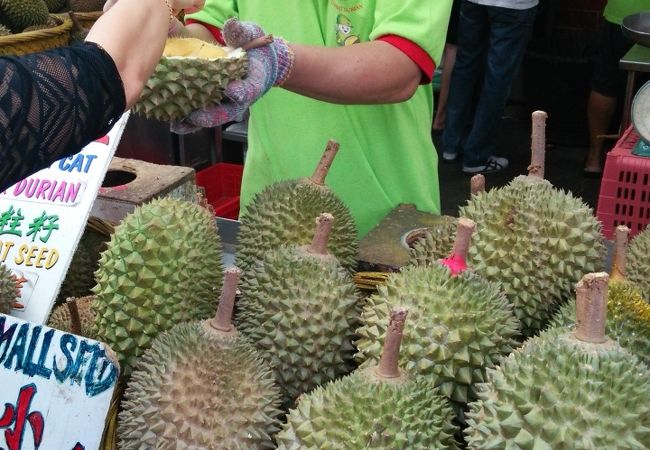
[(194, 390), (628, 318), (4, 31), (566, 390), (80, 278), (9, 290), (201, 385), (434, 244), (86, 5), (191, 75), (162, 266), (300, 308), (379, 407), (536, 241), (638, 269), (283, 213), (462, 325), (62, 317), (556, 393), (20, 14), (55, 6)]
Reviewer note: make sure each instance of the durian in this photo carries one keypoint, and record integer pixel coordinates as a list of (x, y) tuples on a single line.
[(629, 314), (283, 213), (80, 278), (300, 308), (55, 6), (190, 76), (201, 386), (4, 31), (638, 268), (20, 14), (573, 391), (74, 316), (162, 266), (10, 286), (535, 240), (380, 407), (462, 325)]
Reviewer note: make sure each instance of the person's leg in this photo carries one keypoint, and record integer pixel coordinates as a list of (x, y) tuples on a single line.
[(448, 62), (600, 111), (472, 43), (509, 32)]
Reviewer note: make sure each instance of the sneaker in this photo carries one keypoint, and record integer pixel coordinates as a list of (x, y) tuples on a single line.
[(449, 157), (493, 164)]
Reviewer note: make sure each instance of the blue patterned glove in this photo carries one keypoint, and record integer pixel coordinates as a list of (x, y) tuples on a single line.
[(270, 61)]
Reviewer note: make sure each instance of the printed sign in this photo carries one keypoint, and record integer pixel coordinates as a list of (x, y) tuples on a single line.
[(56, 388), (43, 217)]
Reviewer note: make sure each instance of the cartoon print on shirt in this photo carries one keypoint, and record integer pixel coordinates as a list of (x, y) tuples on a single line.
[(344, 29)]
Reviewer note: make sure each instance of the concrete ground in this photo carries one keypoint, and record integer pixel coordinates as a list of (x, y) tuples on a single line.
[(563, 166)]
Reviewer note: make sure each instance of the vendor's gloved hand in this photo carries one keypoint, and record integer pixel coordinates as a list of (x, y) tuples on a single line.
[(270, 61)]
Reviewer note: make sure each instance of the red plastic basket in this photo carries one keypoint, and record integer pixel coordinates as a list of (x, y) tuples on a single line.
[(625, 188), (222, 184)]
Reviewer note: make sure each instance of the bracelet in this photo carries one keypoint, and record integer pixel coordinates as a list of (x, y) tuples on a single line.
[(171, 10)]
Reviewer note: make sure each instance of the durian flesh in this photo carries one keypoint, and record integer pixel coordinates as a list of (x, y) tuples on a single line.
[(561, 394), (191, 47), (197, 390), (358, 412)]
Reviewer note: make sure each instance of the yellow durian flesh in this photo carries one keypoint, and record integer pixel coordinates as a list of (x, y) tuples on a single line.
[(191, 47)]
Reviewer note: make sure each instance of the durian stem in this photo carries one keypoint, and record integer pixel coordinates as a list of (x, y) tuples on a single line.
[(222, 320), (591, 308), (75, 320), (477, 184), (464, 230), (620, 253), (323, 167), (538, 145), (258, 42), (324, 224), (388, 364)]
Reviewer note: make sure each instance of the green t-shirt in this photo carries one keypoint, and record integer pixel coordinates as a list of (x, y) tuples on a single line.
[(617, 10), (386, 155)]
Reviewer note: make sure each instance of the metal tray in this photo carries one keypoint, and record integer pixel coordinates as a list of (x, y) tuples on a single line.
[(637, 28)]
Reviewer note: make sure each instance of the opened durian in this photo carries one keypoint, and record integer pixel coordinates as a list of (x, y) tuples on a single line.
[(201, 385), (299, 307), (74, 316), (380, 407), (638, 267), (20, 14), (9, 289), (533, 239), (461, 324), (628, 313), (162, 266), (283, 213), (191, 75), (566, 391)]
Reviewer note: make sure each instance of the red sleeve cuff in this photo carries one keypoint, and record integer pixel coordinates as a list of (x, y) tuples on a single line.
[(415, 52), (216, 31)]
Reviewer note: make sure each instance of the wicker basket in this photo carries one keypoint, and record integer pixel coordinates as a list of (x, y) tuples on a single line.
[(87, 19), (36, 41)]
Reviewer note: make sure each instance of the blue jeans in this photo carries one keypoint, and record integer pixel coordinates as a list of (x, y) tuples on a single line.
[(491, 43)]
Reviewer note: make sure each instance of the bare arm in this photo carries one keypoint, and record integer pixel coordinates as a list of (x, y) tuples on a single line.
[(368, 73), (134, 32)]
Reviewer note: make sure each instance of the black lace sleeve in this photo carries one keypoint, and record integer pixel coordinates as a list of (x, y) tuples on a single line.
[(52, 104)]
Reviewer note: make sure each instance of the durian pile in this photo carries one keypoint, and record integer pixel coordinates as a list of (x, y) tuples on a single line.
[(309, 363), (191, 75), (18, 16)]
